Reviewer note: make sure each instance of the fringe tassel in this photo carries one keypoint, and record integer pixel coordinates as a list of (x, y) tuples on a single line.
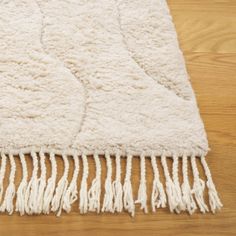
[(95, 190), (180, 207), (42, 182), (32, 188), (21, 192), (2, 174), (142, 192), (127, 188), (39, 195), (172, 195), (198, 187), (117, 187), (214, 200), (57, 201), (108, 197), (7, 204), (51, 184), (158, 198), (83, 205), (188, 199), (71, 194)]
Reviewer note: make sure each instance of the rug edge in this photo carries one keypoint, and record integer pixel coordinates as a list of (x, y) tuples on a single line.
[(37, 194)]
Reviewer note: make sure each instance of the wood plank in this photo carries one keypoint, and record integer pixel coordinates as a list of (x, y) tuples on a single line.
[(205, 26)]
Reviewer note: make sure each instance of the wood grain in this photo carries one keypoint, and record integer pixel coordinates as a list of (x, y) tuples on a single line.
[(207, 34)]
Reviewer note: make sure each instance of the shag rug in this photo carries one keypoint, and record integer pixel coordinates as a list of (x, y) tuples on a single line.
[(100, 78)]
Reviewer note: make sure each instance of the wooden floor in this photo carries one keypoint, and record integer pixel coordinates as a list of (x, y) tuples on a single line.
[(207, 34)]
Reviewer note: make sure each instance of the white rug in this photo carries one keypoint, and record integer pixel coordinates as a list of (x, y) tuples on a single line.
[(103, 78)]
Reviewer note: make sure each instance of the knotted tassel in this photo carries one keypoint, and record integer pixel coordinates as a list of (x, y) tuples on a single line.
[(172, 195), (71, 194), (158, 198), (83, 205), (21, 192), (127, 188), (2, 174), (51, 184), (188, 199), (198, 187), (142, 192), (95, 189), (32, 188), (7, 204), (117, 187), (42, 182), (57, 201), (175, 169), (214, 199), (108, 197)]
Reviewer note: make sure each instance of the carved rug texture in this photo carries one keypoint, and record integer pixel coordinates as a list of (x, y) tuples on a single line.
[(100, 79)]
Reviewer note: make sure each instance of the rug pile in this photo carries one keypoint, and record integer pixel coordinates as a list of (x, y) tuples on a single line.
[(104, 78)]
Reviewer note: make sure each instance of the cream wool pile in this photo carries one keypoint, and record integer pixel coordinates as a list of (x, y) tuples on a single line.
[(100, 78)]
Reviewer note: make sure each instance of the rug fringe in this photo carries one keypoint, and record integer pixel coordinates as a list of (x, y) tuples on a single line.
[(188, 198), (127, 188), (214, 199), (142, 191), (71, 194), (51, 184), (2, 174), (36, 194), (58, 198), (42, 181), (171, 191), (108, 197), (95, 190), (158, 197), (83, 204), (117, 186), (7, 204), (198, 187), (21, 192)]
